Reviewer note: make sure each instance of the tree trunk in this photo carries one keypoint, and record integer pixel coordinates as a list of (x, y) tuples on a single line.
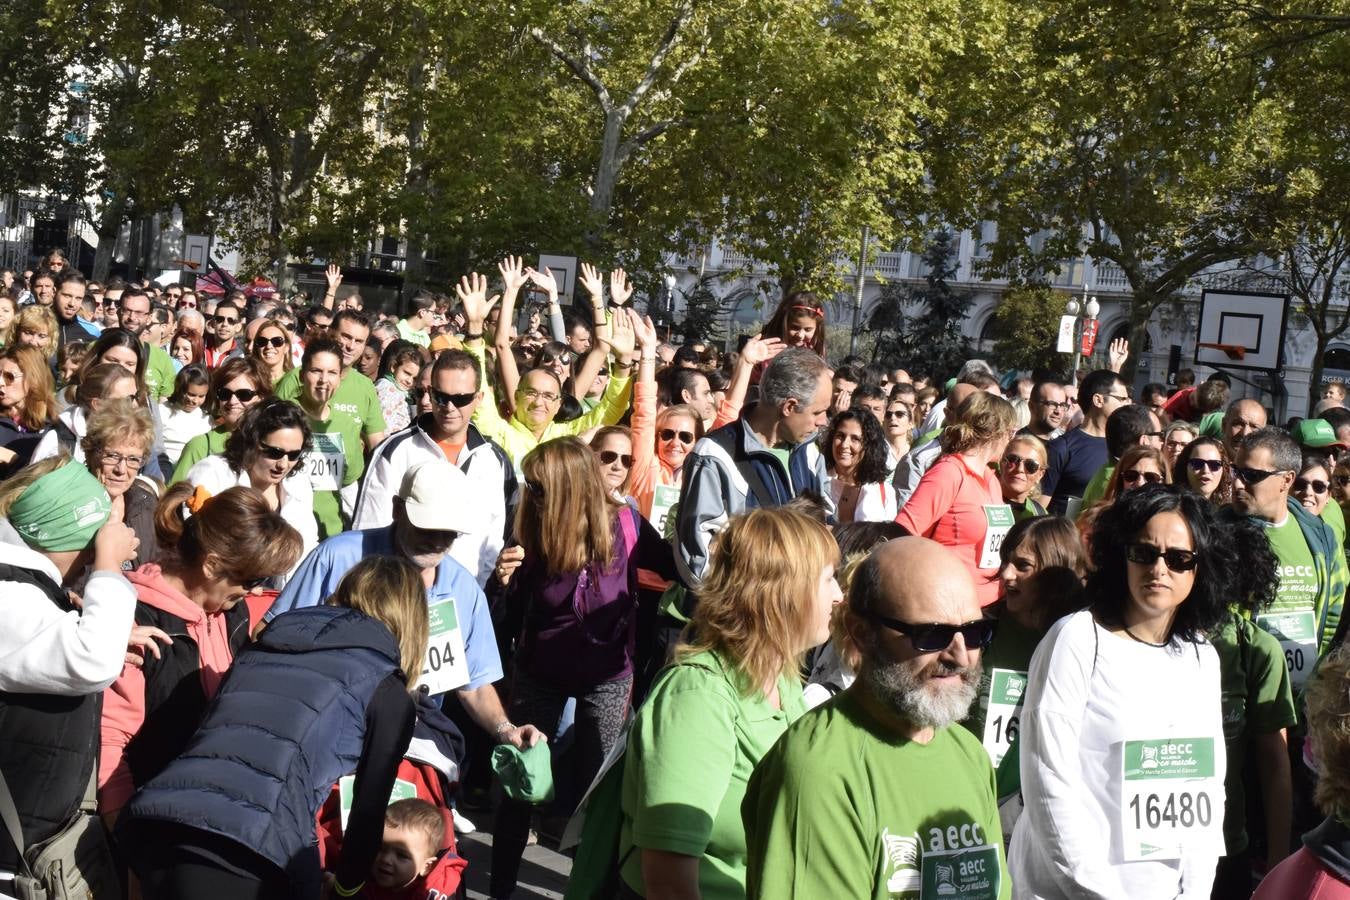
[(606, 177), (1315, 377), (108, 230)]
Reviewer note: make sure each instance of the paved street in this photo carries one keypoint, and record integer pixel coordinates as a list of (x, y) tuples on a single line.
[(543, 873)]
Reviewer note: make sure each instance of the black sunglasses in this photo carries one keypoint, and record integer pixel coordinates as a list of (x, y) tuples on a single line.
[(1176, 560), (230, 320), (933, 638), (1012, 461), (1134, 476), (444, 400), (1199, 465), (254, 583), (535, 488), (260, 342), (1255, 476), (1318, 485), (607, 458), (670, 434), (275, 453), (243, 395)]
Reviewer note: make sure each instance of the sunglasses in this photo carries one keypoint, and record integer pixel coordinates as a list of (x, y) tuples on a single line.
[(224, 320), (933, 638), (253, 584), (535, 488), (276, 453), (897, 414), (1134, 476), (277, 341), (445, 401), (607, 458), (1255, 476), (243, 395), (670, 434), (1176, 560), (11, 377), (1340, 480), (1030, 466), (1318, 485), (1200, 465)]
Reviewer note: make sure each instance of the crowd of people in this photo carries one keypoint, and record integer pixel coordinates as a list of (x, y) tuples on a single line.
[(292, 590)]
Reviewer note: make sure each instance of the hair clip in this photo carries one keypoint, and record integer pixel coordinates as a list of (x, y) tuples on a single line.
[(198, 499)]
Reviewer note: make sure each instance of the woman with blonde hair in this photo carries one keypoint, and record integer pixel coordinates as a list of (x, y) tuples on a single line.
[(34, 326), (734, 688), (959, 501), (324, 693), (1020, 471), (574, 597), (27, 406)]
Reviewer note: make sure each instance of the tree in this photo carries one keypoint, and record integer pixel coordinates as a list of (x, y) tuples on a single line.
[(933, 340), (1026, 328), (704, 311), (886, 322)]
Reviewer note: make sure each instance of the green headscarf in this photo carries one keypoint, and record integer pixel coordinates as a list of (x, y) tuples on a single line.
[(62, 510)]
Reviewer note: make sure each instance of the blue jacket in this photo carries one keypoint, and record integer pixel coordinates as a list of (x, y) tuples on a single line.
[(287, 724)]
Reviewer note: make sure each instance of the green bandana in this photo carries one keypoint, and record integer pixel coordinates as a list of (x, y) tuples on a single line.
[(526, 775), (62, 510)]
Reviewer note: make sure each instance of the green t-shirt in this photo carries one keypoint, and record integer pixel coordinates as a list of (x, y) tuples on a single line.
[(1028, 509), (1002, 684), (1257, 698), (841, 808), (407, 333), (1096, 488), (1298, 571), (784, 457), (691, 749), (1334, 516), (159, 373), (334, 461), (198, 449), (355, 396)]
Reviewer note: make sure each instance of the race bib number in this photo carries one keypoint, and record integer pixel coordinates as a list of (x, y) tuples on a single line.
[(1004, 711), (664, 500), (1171, 800), (327, 462), (969, 873), (403, 790), (445, 667), (998, 521), (1296, 630)]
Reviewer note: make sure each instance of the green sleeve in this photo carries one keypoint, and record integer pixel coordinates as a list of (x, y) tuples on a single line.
[(805, 838), (1096, 488), (1335, 518), (194, 451), (159, 374), (613, 404), (1270, 694), (288, 385), (486, 417)]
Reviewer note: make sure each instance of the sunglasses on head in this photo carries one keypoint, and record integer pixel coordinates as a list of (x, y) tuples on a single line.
[(607, 458), (445, 401), (1175, 560), (276, 453), (670, 434), (274, 341), (933, 638), (1199, 465), (1030, 466), (243, 395), (1134, 476), (1254, 476), (1318, 485)]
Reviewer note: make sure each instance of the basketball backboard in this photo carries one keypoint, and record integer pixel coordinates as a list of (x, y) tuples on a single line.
[(1254, 322)]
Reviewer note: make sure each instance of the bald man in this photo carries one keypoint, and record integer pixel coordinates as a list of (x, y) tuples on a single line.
[(878, 792), (1243, 418)]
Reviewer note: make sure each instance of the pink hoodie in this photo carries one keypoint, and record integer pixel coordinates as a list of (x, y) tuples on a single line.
[(124, 702)]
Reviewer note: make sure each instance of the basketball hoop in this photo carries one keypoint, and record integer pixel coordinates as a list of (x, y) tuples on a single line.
[(1232, 351)]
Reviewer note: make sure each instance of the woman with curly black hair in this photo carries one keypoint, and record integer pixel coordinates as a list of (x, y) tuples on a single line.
[(1122, 733), (265, 452), (854, 447)]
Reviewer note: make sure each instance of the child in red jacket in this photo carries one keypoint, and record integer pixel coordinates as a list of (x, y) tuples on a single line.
[(412, 864)]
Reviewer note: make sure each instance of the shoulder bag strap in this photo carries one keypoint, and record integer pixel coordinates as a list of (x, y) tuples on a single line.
[(9, 814)]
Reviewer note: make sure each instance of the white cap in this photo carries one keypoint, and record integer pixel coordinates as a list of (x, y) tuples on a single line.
[(439, 497)]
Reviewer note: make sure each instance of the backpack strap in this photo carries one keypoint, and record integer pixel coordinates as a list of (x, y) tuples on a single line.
[(39, 580), (65, 437)]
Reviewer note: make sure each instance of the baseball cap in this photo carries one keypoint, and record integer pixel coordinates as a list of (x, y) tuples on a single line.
[(439, 497), (1316, 434)]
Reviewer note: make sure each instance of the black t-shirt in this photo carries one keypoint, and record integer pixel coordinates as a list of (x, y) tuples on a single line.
[(1074, 459)]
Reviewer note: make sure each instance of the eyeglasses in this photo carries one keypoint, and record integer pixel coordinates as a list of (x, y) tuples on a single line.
[(1030, 466), (932, 638), (1255, 476), (275, 341), (670, 434), (1134, 476), (133, 463), (1119, 398), (187, 304), (253, 584), (1318, 485), (11, 377), (1053, 404), (1175, 560), (546, 396), (607, 458), (276, 453), (243, 395), (901, 413), (535, 488), (1200, 465), (445, 401)]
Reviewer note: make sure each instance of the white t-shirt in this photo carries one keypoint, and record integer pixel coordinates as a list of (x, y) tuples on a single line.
[(180, 426), (1088, 692)]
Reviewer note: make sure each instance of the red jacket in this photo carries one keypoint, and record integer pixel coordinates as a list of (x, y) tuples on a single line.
[(441, 883), (1320, 871)]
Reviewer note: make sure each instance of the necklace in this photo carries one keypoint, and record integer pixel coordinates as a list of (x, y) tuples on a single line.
[(1142, 641)]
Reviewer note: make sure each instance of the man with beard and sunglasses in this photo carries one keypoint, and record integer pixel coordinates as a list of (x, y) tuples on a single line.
[(446, 433), (891, 796)]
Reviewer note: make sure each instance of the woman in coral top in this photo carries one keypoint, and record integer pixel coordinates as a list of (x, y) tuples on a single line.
[(959, 502)]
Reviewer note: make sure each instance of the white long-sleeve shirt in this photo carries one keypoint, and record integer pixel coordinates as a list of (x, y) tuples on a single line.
[(1088, 692), (46, 651)]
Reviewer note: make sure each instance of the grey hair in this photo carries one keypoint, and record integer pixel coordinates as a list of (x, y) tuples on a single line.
[(973, 367), (191, 315), (792, 375), (1284, 453)]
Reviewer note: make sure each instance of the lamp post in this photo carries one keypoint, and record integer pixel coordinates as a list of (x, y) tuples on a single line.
[(669, 281), (1089, 308)]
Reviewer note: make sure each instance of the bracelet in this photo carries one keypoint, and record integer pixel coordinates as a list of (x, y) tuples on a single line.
[(651, 358), (503, 726), (347, 892), (473, 337)]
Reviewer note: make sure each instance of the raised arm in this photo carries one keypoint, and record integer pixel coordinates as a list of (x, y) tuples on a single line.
[(758, 349), (590, 367), (644, 408), (333, 275), (549, 285), (513, 279), (472, 293)]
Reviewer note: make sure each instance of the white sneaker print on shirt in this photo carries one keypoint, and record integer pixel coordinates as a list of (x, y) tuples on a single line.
[(902, 852)]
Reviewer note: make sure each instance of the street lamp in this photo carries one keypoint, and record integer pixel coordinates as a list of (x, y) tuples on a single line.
[(669, 281), (1089, 308)]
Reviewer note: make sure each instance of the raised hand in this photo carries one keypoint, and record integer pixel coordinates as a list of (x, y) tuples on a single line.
[(643, 330), (760, 349), (115, 543), (621, 339), (472, 293), (546, 281), (513, 274), (590, 280), (333, 275), (1117, 353), (620, 289)]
